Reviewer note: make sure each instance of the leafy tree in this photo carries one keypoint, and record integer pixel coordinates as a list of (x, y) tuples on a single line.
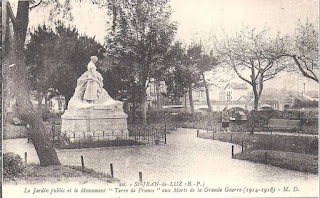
[(203, 63), (57, 58), (207, 63), (305, 50), (140, 36), (174, 76), (39, 75), (116, 79), (186, 71), (256, 53), (182, 75)]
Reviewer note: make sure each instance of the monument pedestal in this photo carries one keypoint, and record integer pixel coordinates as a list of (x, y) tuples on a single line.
[(97, 122), (92, 114)]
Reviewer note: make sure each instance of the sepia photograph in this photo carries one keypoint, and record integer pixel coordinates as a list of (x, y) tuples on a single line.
[(159, 98)]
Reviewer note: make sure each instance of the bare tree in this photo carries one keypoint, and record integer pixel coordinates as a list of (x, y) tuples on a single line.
[(305, 50), (250, 51)]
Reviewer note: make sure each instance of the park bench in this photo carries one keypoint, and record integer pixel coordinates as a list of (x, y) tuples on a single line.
[(284, 124)]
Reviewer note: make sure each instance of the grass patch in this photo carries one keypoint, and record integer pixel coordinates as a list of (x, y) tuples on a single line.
[(287, 160), (36, 174), (296, 144), (96, 174), (298, 153)]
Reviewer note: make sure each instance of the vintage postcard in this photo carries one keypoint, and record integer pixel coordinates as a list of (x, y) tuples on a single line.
[(160, 98)]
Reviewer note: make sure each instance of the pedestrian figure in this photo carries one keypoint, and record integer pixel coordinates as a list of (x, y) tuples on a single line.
[(225, 120)]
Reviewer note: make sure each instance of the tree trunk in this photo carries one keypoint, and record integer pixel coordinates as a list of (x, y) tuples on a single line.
[(39, 97), (255, 103), (143, 105), (25, 111), (207, 93), (260, 86), (255, 97), (15, 75), (257, 91), (190, 98), (134, 106), (38, 133), (254, 88), (158, 95), (208, 99)]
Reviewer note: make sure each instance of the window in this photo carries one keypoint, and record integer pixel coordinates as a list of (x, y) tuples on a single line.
[(229, 95), (60, 105)]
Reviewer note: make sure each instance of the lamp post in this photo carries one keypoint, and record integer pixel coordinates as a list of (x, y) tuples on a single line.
[(304, 90)]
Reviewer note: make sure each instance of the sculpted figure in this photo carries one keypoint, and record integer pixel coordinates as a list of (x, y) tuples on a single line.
[(93, 82), (90, 91)]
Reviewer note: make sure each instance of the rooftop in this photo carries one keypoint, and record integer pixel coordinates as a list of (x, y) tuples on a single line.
[(237, 86)]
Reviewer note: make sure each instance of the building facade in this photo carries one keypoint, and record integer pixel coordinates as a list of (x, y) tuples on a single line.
[(56, 104), (233, 91)]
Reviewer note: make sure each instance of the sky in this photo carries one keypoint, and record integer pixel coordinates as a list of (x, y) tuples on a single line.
[(211, 16), (203, 19)]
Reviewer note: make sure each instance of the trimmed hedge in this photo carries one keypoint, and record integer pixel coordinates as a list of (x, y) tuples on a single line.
[(256, 119)]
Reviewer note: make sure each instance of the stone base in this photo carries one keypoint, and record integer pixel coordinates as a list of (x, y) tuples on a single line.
[(95, 123)]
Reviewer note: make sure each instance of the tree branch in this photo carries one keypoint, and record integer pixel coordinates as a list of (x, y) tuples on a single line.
[(302, 70), (36, 5), (240, 76), (308, 68)]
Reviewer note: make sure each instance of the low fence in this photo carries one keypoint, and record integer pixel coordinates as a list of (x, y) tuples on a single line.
[(142, 134), (151, 133), (279, 142), (97, 135)]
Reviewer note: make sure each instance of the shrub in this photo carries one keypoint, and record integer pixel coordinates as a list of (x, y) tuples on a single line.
[(12, 165), (298, 104), (257, 119)]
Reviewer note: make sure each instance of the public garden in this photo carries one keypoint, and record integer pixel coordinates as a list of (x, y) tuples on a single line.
[(294, 150), (134, 101)]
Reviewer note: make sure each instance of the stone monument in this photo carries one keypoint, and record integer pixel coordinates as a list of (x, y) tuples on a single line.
[(91, 112)]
